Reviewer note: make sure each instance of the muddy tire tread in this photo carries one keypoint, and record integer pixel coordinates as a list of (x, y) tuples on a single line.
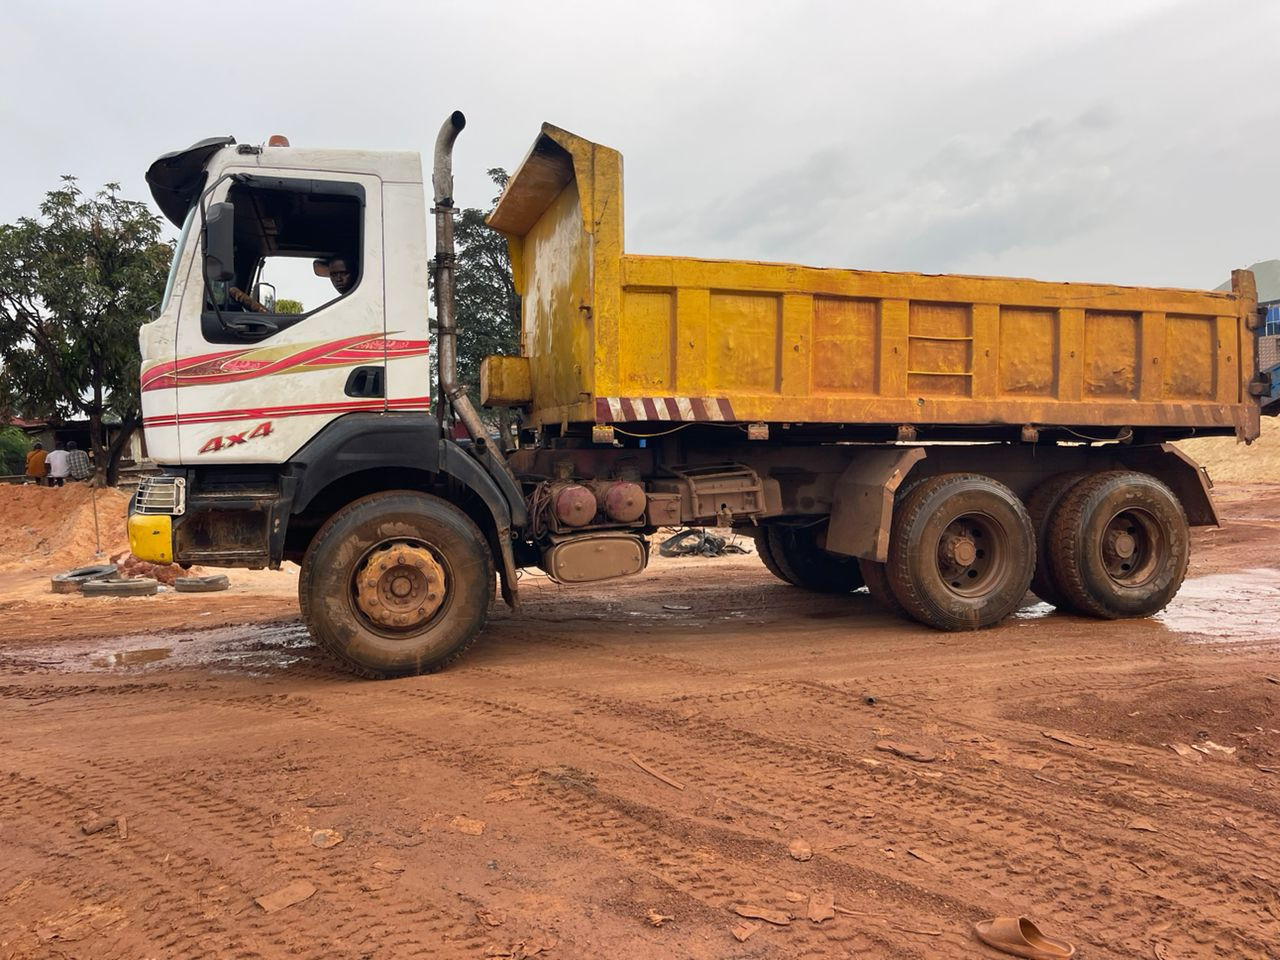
[(876, 578), (906, 515), (307, 570), (1041, 506), (764, 549), (810, 567), (1067, 523)]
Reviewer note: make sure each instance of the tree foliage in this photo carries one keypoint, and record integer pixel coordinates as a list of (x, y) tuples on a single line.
[(288, 307), (75, 285), (14, 447), (488, 307)]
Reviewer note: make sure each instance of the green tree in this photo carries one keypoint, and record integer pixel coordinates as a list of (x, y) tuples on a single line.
[(75, 285), (487, 303), (14, 447), (290, 307)]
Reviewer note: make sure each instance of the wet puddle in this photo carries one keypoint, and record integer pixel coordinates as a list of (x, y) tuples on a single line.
[(1236, 608), (1240, 607), (239, 649)]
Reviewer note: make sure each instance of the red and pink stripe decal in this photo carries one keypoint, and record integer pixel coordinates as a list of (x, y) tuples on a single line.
[(296, 410)]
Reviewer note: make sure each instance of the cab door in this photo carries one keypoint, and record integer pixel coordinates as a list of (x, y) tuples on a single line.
[(267, 359)]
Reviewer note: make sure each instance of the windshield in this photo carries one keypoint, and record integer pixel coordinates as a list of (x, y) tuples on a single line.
[(177, 255)]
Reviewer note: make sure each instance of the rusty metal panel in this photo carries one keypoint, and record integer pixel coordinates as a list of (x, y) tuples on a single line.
[(862, 506), (846, 345), (1028, 352)]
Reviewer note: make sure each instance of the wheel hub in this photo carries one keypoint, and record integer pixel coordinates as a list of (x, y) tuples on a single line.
[(400, 586), (961, 550)]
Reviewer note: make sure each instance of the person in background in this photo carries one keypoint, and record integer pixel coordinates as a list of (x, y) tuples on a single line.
[(77, 462), (36, 463), (58, 466)]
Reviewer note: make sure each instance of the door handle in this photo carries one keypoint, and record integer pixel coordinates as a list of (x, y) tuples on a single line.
[(367, 382)]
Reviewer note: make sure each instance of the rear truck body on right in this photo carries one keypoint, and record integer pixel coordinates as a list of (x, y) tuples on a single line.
[(946, 441)]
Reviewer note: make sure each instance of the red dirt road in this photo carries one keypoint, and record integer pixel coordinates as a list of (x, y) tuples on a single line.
[(655, 747)]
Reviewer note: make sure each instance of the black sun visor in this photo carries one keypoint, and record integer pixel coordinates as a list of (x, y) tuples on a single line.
[(177, 178)]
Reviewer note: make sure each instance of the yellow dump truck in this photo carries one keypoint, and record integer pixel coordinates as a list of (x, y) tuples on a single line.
[(945, 441)]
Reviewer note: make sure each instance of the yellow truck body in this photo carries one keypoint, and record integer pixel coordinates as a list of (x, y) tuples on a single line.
[(609, 336)]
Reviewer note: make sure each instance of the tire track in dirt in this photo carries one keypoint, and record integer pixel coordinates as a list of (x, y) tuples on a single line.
[(178, 811), (649, 842), (1185, 887), (176, 927)]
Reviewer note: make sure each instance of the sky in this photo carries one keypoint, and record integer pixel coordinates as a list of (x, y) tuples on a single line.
[(1129, 141)]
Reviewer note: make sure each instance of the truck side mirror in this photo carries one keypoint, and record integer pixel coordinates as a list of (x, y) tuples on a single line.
[(219, 242)]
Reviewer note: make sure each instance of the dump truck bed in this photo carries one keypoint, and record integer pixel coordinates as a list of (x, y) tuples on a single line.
[(611, 337)]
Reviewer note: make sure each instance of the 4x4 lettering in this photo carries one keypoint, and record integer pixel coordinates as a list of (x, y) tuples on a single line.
[(214, 444)]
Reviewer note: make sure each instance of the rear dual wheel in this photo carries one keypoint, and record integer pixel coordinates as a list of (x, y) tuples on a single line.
[(961, 552), (792, 554), (1118, 545)]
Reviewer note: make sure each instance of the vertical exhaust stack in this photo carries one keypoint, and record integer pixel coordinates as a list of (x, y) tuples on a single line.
[(446, 322)]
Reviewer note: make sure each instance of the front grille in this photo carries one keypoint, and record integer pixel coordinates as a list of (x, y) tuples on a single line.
[(162, 495)]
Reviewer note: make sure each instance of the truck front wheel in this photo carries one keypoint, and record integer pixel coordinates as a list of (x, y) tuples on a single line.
[(961, 552), (396, 584), (1118, 545)]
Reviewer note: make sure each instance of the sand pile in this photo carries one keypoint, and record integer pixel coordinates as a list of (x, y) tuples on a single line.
[(51, 528), (1231, 462)]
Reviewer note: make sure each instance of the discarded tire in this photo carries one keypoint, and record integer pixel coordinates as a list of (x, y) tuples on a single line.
[(138, 587), (72, 580), (210, 584)]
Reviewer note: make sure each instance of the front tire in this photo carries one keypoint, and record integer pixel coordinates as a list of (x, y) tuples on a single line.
[(961, 552), (1119, 545), (396, 584)]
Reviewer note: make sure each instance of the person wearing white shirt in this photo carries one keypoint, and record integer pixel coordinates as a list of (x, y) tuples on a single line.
[(59, 466)]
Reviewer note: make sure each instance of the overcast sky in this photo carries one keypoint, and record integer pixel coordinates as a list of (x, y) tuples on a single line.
[(1133, 141)]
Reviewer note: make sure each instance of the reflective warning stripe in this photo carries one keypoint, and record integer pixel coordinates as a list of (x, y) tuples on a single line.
[(685, 409)]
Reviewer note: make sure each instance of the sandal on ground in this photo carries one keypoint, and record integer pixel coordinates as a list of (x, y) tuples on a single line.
[(1022, 938)]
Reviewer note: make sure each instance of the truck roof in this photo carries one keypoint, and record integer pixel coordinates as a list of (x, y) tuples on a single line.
[(177, 178)]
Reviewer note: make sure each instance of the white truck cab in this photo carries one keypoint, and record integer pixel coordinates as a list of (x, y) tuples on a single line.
[(226, 381)]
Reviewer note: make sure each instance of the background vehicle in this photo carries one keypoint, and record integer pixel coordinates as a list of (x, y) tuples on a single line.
[(945, 440)]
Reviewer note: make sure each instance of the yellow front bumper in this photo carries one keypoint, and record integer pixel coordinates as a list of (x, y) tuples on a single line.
[(151, 537)]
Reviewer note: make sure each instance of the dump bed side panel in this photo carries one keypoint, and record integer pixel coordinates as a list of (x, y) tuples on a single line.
[(786, 343)]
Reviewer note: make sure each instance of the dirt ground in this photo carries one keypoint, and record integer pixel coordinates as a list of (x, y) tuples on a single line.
[(628, 770)]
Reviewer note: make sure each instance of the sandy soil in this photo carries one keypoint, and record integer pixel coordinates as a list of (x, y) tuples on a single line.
[(693, 744)]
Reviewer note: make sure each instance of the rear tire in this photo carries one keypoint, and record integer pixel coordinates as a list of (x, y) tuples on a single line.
[(1041, 507), (1119, 545), (876, 578), (796, 552), (765, 552), (961, 552), (393, 634)]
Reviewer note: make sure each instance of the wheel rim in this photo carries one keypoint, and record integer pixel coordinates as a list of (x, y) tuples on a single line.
[(1132, 544), (973, 555), (399, 587)]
